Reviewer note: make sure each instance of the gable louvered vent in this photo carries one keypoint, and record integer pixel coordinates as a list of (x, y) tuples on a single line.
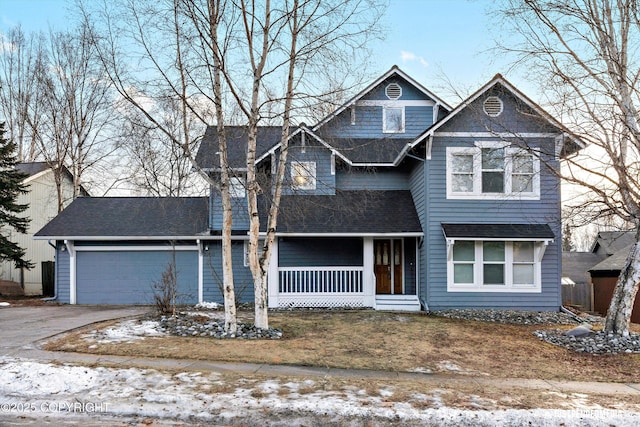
[(393, 91), (492, 106)]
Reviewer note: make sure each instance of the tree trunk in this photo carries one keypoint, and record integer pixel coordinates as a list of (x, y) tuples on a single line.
[(624, 294), (228, 287), (230, 320)]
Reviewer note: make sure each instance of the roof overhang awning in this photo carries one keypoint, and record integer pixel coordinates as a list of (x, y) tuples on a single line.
[(511, 232), (540, 233)]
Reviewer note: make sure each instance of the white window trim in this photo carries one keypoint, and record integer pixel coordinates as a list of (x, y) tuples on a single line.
[(384, 119), (310, 168), (477, 193), (478, 286)]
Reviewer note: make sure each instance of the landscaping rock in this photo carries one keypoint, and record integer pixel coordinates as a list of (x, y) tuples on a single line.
[(185, 325), (580, 331), (514, 317), (595, 342)]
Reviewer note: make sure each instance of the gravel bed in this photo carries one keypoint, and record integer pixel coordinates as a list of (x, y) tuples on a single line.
[(188, 325), (515, 317), (596, 342)]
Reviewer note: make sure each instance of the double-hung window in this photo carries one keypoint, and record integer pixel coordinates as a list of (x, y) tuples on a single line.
[(393, 120), (492, 170), (495, 257), (494, 266)]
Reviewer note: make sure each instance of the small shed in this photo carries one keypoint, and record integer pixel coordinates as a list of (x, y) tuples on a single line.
[(604, 276)]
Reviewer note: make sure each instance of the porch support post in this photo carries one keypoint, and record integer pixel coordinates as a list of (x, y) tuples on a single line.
[(368, 275), (200, 271), (72, 270), (273, 277)]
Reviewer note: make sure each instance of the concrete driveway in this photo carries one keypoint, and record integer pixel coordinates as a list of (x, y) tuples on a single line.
[(22, 327)]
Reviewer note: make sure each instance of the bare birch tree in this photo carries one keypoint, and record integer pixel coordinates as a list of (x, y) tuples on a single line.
[(586, 55), (219, 57), (173, 45), (295, 41), (58, 106), (21, 56)]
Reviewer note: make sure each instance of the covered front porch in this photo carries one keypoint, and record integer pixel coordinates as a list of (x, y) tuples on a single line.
[(374, 271)]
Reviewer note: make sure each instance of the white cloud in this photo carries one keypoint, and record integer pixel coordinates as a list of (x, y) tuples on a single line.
[(407, 56)]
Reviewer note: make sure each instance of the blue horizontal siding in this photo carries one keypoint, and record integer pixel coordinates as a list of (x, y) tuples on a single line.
[(441, 210), (325, 180), (212, 274), (239, 215), (320, 252), (409, 92), (369, 123), (63, 280), (516, 117)]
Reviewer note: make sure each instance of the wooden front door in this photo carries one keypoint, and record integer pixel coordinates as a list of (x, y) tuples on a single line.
[(387, 256)]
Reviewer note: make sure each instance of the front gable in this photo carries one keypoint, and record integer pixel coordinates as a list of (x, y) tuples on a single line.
[(500, 112), (374, 127)]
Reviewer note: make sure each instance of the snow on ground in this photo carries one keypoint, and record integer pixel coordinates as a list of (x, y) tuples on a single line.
[(37, 389), (125, 331), (208, 305)]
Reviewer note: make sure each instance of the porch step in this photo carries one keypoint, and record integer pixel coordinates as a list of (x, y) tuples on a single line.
[(397, 303)]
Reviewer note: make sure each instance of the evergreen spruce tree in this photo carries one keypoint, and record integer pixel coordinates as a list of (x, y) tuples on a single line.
[(11, 187)]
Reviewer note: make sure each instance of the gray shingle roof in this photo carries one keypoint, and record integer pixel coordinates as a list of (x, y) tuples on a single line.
[(614, 262), (268, 136), (348, 212), (32, 168), (369, 150), (129, 217), (609, 242), (575, 265), (498, 231)]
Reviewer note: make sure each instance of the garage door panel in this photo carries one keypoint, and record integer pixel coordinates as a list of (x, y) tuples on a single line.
[(127, 277)]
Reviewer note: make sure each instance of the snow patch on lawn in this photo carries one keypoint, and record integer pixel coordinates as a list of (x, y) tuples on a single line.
[(126, 331), (448, 366), (208, 305)]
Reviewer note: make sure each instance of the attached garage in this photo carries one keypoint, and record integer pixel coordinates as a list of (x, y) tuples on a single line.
[(128, 277), (112, 250)]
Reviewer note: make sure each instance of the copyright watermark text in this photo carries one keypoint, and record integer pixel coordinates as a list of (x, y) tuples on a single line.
[(53, 406)]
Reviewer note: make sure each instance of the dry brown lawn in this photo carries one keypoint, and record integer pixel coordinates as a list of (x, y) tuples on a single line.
[(386, 341)]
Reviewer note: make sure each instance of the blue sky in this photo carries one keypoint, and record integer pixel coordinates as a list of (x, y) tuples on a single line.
[(428, 39)]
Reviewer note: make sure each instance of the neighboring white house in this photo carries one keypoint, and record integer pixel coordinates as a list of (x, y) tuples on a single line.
[(42, 199)]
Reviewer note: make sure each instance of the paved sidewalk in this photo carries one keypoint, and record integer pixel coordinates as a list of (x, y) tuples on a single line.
[(57, 320), (631, 389)]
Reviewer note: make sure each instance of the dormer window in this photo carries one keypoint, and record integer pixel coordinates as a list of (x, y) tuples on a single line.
[(393, 119), (303, 175)]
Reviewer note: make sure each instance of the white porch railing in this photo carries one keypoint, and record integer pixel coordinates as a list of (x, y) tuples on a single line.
[(321, 280)]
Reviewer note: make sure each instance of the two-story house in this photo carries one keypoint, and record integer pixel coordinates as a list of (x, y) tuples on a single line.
[(394, 201), (42, 206)]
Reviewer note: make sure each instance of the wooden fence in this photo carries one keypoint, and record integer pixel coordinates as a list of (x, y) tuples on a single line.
[(578, 294)]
